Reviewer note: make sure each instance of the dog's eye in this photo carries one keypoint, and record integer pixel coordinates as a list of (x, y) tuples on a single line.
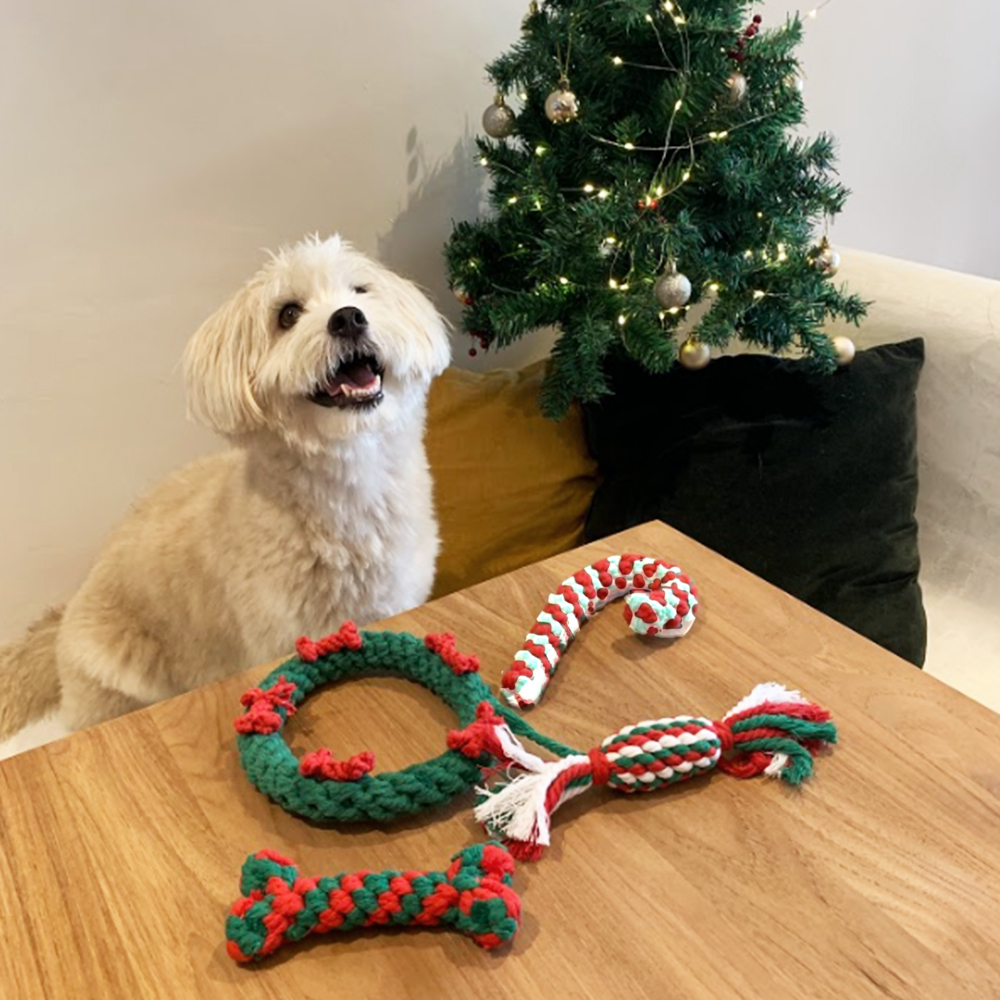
[(360, 289), (289, 315)]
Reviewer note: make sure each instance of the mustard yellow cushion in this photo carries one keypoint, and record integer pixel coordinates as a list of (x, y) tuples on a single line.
[(510, 486)]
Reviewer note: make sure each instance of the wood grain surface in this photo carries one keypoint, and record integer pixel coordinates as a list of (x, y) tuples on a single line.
[(120, 848)]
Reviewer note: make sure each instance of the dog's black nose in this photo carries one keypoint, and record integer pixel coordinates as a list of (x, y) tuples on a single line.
[(348, 322)]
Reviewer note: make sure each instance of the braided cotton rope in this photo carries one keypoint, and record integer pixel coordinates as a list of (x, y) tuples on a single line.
[(280, 906), (773, 731), (322, 788), (660, 601)]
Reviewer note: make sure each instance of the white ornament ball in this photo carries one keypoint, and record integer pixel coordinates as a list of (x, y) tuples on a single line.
[(498, 119), (845, 349), (694, 355), (562, 106), (672, 290), (736, 83)]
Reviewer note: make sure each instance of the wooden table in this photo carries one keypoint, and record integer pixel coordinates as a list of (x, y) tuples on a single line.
[(121, 846)]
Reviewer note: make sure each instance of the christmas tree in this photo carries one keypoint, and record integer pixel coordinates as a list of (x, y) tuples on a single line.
[(653, 165)]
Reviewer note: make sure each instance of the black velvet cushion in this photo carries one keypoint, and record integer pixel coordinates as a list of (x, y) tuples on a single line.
[(809, 481)]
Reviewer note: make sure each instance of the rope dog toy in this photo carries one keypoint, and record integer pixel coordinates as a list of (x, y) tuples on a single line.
[(279, 906), (773, 731), (659, 598), (321, 788)]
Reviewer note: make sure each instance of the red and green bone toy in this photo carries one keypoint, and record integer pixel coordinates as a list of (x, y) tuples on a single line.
[(772, 731)]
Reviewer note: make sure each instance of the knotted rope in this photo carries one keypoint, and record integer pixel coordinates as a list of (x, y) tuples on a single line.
[(659, 598), (280, 906), (773, 731)]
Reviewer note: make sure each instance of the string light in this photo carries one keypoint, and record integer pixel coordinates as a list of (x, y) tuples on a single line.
[(668, 6), (760, 215), (617, 60), (483, 161), (612, 283), (717, 135), (523, 96), (563, 281), (678, 105), (674, 311), (603, 193), (758, 294), (589, 188), (714, 287), (540, 150), (686, 176), (622, 320), (629, 146), (659, 191), (512, 200), (649, 17), (610, 239)]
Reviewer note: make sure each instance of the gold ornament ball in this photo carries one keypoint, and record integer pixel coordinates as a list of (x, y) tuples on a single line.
[(498, 119), (795, 81), (694, 355), (561, 106), (736, 83), (845, 349), (672, 290), (825, 259)]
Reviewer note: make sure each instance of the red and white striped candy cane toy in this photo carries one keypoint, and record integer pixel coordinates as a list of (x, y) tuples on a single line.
[(660, 601)]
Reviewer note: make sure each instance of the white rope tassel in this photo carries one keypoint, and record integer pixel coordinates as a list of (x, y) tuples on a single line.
[(517, 811)]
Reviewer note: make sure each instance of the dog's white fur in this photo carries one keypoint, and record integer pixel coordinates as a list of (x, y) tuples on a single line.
[(315, 516)]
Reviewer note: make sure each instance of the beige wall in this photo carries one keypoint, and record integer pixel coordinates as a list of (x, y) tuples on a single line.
[(147, 150)]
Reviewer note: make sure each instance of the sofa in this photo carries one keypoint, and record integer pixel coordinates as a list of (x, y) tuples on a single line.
[(530, 499)]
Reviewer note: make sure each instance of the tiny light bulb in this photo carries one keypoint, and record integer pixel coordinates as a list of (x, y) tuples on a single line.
[(748, 254), (612, 283), (617, 60), (588, 188), (686, 176), (758, 294), (622, 321), (659, 191), (760, 215), (649, 17), (629, 146), (523, 96), (679, 19), (603, 193), (674, 311), (563, 281), (678, 105), (713, 287), (782, 255), (610, 239), (623, 288), (814, 13), (483, 160), (539, 150), (512, 199), (668, 6)]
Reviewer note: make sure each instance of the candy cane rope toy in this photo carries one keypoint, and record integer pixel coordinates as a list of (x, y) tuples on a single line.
[(660, 601), (280, 906), (773, 731)]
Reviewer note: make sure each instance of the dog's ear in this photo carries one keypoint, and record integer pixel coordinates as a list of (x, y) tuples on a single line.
[(219, 365), (428, 343)]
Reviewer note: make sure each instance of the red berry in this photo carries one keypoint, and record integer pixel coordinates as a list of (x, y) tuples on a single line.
[(757, 19), (472, 352)]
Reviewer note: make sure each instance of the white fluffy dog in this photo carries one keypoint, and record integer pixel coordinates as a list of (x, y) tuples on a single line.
[(318, 371)]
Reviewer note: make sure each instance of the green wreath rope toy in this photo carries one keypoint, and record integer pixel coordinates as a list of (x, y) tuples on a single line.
[(324, 789)]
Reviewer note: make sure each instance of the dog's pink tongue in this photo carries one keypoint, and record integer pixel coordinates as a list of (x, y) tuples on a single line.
[(354, 373)]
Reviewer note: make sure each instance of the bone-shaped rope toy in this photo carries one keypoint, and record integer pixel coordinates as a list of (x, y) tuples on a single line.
[(280, 906)]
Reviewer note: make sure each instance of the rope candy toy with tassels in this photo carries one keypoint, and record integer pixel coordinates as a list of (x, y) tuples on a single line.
[(773, 731)]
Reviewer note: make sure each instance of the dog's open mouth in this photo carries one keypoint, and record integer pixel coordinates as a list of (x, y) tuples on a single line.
[(356, 383)]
